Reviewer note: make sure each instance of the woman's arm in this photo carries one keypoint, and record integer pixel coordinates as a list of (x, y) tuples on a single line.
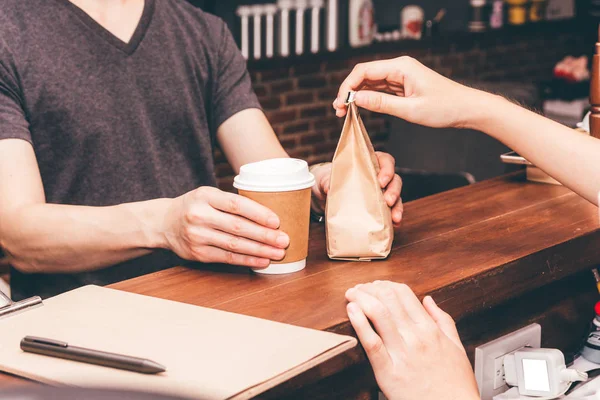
[(405, 88)]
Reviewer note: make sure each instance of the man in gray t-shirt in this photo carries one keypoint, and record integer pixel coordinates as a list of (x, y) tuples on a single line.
[(109, 114)]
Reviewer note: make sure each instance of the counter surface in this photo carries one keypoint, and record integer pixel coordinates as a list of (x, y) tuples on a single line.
[(472, 248)]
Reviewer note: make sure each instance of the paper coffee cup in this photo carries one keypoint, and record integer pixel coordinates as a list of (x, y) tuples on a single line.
[(284, 186)]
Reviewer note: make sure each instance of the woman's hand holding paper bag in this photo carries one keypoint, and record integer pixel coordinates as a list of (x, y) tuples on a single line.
[(405, 88)]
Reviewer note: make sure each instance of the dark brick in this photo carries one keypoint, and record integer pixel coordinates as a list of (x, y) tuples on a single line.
[(219, 156), (336, 78), (300, 152), (335, 65), (295, 127), (277, 117), (328, 123), (309, 68), (328, 94), (282, 86), (375, 126), (299, 98), (261, 90), (274, 74), (289, 142), (278, 128), (224, 169), (320, 158), (312, 82), (255, 76), (325, 147), (317, 111), (313, 138), (226, 184), (270, 103)]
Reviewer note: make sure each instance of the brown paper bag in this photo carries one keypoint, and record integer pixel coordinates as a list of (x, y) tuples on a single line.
[(358, 221)]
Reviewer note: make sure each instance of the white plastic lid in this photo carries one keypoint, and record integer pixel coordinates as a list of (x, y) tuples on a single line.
[(275, 175)]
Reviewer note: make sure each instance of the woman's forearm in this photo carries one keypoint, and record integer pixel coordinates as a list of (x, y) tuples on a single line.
[(52, 238), (570, 157)]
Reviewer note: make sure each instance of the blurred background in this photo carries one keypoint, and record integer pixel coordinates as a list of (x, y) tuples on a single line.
[(299, 51)]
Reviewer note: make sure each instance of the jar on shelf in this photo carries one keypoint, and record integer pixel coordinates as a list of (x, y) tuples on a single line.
[(537, 11), (517, 11)]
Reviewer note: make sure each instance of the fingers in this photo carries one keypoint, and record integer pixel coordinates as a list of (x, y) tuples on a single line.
[(244, 207), (411, 304), (385, 103), (244, 228), (371, 342), (372, 71), (379, 315), (387, 296), (443, 320), (220, 256), (397, 212), (393, 190), (387, 169), (393, 199), (322, 176), (239, 245)]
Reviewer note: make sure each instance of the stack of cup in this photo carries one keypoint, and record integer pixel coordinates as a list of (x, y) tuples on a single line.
[(284, 186)]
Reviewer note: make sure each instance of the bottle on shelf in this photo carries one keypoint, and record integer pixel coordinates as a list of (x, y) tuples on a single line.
[(497, 14), (477, 22), (361, 22), (517, 12)]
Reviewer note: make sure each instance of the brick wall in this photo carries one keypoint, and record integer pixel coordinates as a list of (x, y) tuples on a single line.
[(297, 97)]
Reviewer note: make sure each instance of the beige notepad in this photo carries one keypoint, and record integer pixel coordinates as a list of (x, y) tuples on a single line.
[(209, 354)]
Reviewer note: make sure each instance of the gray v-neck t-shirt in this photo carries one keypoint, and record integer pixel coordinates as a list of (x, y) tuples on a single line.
[(113, 122)]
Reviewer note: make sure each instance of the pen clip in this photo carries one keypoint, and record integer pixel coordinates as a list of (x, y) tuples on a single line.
[(49, 342)]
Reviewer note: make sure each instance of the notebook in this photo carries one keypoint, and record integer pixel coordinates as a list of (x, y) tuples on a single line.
[(208, 354)]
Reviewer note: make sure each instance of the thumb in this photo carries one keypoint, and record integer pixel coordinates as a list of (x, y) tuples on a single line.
[(384, 103), (443, 320)]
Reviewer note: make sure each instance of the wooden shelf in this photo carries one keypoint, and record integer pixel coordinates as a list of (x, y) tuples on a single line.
[(447, 41)]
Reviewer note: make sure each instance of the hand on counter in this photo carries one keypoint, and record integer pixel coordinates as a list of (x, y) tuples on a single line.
[(415, 349), (212, 226), (388, 179)]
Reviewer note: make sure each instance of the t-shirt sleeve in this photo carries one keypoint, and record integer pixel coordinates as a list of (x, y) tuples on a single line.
[(232, 88), (13, 121)]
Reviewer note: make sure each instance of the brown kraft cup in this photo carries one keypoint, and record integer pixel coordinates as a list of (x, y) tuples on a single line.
[(283, 186)]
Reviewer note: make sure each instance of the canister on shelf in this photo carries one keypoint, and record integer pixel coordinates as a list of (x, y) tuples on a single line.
[(412, 22), (517, 12), (361, 22), (537, 11)]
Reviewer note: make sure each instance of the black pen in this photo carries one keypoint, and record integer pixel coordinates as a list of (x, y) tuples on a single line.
[(55, 348)]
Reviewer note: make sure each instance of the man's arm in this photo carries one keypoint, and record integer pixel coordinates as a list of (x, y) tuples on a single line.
[(203, 225), (40, 237), (248, 137)]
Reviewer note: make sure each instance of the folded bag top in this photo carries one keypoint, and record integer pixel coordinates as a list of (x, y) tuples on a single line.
[(358, 220)]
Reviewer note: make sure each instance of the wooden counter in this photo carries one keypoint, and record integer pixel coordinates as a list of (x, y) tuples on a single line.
[(496, 255)]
